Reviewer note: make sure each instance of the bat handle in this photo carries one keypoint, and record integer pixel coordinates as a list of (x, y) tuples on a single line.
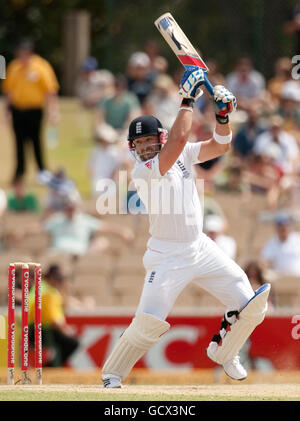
[(210, 90)]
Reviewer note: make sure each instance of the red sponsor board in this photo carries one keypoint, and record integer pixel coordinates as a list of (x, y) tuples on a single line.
[(276, 342)]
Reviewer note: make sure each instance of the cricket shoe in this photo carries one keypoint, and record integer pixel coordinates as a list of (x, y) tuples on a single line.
[(111, 381), (233, 368)]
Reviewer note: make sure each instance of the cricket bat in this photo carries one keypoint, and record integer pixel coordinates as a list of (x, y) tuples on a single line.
[(184, 50)]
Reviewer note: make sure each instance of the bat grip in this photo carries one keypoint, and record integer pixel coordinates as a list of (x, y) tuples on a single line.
[(210, 90)]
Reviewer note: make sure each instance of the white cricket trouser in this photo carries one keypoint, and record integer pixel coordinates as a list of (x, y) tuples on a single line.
[(171, 266)]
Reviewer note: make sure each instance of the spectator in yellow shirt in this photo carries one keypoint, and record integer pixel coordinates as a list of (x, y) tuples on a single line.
[(30, 85), (57, 336)]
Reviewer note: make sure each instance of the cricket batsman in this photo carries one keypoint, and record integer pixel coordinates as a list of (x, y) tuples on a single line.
[(178, 252)]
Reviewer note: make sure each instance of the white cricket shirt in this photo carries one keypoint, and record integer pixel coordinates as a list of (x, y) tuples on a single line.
[(286, 145), (285, 257), (171, 200)]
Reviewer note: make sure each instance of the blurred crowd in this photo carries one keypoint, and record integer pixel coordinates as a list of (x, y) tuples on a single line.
[(265, 149), (264, 159)]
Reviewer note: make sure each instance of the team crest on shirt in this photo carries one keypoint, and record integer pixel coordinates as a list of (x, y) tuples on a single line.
[(149, 165)]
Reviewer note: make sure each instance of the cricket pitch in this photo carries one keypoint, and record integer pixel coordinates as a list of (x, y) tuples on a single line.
[(246, 392)]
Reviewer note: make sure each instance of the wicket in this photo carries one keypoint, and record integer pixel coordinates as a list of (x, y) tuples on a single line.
[(24, 331)]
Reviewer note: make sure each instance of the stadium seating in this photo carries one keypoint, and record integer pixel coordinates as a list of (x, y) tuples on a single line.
[(116, 276)]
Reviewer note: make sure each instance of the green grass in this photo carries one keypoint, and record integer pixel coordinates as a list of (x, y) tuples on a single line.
[(74, 146), (88, 396)]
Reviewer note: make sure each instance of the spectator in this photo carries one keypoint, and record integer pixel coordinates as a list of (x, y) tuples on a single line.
[(57, 336), (289, 107), (20, 200), (256, 276), (246, 136), (140, 77), (281, 140), (61, 188), (30, 84), (105, 158), (152, 49), (160, 65), (214, 228), (283, 69), (235, 179), (93, 84), (120, 108), (76, 233), (292, 26), (263, 175), (247, 84), (163, 101), (282, 252)]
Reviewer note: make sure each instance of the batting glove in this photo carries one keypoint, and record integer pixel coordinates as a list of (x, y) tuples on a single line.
[(222, 94), (190, 83)]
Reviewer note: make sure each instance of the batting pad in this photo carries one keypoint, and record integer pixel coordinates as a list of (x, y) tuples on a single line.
[(143, 332), (252, 314)]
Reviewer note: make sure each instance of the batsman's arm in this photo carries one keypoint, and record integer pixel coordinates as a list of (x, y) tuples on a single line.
[(211, 149), (52, 108), (190, 90), (221, 140)]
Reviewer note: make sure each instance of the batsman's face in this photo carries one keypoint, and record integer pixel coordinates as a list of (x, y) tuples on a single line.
[(147, 147)]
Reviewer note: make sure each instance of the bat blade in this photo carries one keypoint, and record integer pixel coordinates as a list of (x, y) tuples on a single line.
[(185, 52), (179, 43)]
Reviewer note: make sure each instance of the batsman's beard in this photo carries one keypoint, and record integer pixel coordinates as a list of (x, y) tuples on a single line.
[(150, 152)]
